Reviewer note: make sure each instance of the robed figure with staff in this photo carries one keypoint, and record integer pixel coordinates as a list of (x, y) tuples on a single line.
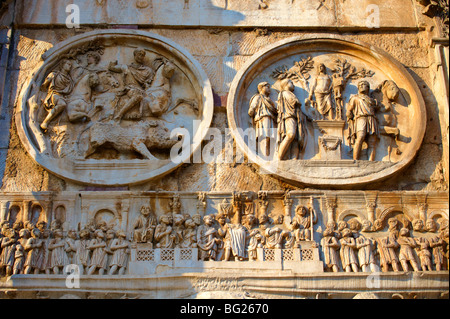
[(290, 122)]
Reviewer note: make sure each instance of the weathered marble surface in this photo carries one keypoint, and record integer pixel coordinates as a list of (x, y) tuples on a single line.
[(223, 13), (106, 105), (224, 35)]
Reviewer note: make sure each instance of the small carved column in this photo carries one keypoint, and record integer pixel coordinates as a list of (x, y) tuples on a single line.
[(236, 208), (201, 204), (263, 203), (71, 211), (85, 208), (422, 207), (26, 204), (331, 208), (371, 204), (46, 211), (3, 210), (175, 204), (370, 208), (287, 203), (422, 211), (124, 212)]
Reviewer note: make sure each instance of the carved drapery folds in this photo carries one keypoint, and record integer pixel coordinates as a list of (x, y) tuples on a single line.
[(169, 228), (325, 116)]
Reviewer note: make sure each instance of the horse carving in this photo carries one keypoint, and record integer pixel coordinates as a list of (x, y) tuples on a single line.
[(158, 95), (147, 88), (79, 103)]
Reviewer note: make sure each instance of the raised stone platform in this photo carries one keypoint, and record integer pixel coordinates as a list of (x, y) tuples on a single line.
[(251, 284)]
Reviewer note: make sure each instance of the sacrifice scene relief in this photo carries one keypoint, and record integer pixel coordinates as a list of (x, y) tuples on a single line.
[(328, 108)]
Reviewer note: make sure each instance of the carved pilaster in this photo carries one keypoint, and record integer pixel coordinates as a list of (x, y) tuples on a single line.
[(175, 204), (26, 211), (3, 210), (201, 203), (262, 203), (371, 204), (422, 206), (287, 203), (331, 205)]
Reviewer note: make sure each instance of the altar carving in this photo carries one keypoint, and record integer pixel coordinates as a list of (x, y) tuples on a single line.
[(345, 114)]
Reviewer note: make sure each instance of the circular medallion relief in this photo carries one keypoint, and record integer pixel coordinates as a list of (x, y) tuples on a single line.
[(110, 107), (326, 112)]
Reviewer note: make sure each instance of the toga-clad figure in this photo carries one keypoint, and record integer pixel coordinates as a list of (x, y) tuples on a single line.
[(264, 114), (291, 126)]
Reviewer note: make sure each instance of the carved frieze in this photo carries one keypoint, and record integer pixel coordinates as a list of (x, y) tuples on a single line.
[(166, 229), (326, 112)]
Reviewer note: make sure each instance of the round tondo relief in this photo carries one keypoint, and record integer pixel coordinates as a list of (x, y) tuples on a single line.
[(326, 112), (113, 108)]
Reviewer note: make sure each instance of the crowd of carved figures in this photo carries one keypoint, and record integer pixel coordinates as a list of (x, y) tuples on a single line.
[(39, 249), (234, 233), (346, 247), (369, 113), (217, 237)]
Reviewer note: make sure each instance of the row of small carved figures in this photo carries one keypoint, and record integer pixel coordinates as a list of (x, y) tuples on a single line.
[(39, 250), (178, 231), (103, 250), (351, 251)]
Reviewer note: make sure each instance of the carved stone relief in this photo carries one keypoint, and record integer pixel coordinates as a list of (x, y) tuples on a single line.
[(326, 112), (102, 107), (141, 231)]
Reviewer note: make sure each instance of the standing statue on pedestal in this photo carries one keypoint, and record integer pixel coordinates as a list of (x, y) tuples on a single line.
[(264, 114), (362, 121), (322, 89)]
